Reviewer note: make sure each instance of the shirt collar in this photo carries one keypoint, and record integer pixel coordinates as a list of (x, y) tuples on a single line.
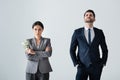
[(88, 28)]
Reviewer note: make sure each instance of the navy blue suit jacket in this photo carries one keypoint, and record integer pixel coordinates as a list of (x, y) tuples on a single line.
[(80, 43)]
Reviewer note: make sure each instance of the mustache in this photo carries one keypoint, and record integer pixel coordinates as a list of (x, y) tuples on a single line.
[(89, 21)]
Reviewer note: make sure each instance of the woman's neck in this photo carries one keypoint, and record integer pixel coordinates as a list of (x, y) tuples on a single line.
[(37, 38)]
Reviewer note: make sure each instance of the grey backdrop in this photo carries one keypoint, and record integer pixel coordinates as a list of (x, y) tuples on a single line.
[(60, 18)]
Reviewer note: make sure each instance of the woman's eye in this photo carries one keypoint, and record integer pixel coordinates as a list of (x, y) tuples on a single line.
[(35, 29)]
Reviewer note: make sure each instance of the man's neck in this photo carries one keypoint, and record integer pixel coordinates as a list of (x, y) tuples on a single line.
[(89, 25)]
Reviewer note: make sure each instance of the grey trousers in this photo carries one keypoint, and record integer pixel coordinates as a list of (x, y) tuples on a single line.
[(37, 76)]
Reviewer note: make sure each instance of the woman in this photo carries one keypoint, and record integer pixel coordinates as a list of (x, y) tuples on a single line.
[(38, 66)]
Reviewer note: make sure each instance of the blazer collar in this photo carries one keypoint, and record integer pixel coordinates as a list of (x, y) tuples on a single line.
[(95, 32), (83, 35), (34, 40)]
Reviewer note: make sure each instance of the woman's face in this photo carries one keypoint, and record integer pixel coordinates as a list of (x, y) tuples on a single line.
[(37, 30)]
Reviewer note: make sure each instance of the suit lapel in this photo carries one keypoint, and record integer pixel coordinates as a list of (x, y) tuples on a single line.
[(83, 36), (95, 32), (42, 44), (35, 43)]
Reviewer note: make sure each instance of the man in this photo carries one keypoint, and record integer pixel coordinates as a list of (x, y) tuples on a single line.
[(87, 41)]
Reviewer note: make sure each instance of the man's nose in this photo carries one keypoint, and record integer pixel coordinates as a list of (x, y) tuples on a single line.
[(88, 16)]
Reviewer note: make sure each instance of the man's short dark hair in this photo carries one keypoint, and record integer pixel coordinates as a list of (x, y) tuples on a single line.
[(38, 23), (89, 10)]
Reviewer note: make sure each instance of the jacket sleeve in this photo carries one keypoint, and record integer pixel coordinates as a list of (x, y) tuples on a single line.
[(104, 48), (45, 53), (39, 54), (73, 47)]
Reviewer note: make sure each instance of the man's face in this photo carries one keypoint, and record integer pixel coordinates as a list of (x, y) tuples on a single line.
[(89, 17)]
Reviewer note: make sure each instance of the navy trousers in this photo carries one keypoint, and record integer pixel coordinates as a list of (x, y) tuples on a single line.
[(93, 72)]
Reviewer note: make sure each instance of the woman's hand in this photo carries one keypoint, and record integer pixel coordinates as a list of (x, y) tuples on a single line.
[(30, 51), (47, 49)]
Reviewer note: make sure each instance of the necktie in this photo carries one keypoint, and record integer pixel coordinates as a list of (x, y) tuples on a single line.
[(87, 60), (89, 36)]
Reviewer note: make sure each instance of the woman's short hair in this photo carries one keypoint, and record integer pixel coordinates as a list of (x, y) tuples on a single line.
[(38, 23)]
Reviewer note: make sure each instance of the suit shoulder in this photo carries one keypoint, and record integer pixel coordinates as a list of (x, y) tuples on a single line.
[(44, 38), (79, 29), (30, 39), (97, 29)]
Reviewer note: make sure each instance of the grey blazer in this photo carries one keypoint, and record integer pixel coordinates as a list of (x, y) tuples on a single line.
[(40, 59)]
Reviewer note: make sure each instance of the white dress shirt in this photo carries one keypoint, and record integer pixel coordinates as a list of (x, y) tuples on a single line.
[(86, 30)]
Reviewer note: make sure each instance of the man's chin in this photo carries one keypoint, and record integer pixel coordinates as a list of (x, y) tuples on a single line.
[(89, 22)]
